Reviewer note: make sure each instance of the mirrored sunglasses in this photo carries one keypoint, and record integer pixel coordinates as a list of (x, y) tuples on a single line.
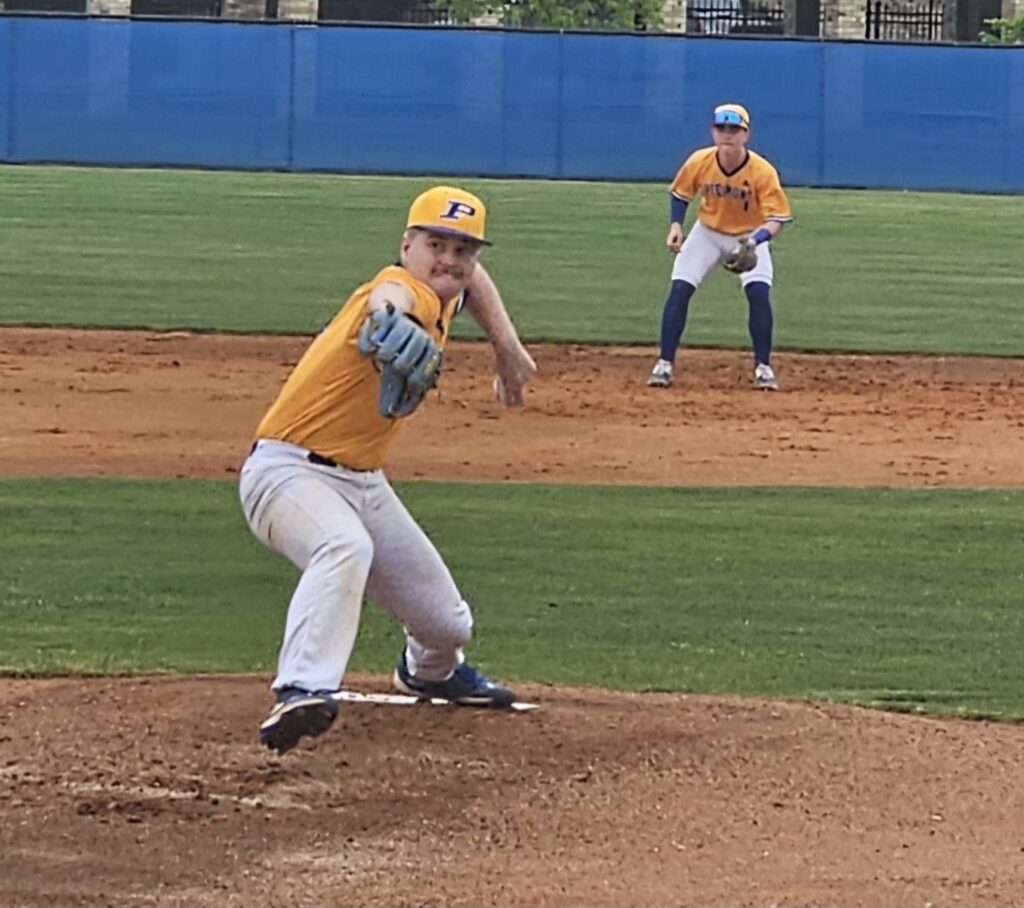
[(728, 118)]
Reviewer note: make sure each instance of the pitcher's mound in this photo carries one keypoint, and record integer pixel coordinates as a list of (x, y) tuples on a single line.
[(155, 792)]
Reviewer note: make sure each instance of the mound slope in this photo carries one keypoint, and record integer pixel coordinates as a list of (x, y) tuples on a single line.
[(152, 792)]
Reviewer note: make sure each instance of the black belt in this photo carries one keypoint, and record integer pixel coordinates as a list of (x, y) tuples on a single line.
[(320, 460), (312, 457)]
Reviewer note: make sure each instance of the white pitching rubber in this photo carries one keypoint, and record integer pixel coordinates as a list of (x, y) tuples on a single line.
[(351, 696)]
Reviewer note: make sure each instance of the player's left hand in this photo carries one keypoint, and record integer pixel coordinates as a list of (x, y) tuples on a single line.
[(743, 257), (515, 367)]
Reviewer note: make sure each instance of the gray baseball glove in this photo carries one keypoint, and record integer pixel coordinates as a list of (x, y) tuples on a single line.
[(409, 359), (743, 257)]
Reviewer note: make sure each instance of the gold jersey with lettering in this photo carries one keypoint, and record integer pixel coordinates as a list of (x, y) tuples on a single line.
[(736, 202), (329, 402)]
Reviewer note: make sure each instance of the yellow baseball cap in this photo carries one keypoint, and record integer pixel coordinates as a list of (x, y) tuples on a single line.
[(450, 211), (732, 115)]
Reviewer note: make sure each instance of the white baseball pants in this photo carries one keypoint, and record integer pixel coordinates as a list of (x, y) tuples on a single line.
[(350, 535), (704, 248)]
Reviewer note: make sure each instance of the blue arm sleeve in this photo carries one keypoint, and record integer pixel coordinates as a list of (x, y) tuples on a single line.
[(677, 210)]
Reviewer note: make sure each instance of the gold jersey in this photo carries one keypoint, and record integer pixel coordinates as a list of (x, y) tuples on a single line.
[(736, 202), (329, 402)]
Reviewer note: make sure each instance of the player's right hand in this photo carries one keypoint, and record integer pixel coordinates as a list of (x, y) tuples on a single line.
[(515, 367), (674, 240)]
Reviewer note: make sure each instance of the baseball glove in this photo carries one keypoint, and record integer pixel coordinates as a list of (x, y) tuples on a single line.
[(409, 359), (743, 257)]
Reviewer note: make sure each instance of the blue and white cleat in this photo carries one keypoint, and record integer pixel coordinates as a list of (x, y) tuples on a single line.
[(296, 714), (465, 686)]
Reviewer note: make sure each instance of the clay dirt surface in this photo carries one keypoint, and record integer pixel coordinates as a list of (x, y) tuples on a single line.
[(153, 791)]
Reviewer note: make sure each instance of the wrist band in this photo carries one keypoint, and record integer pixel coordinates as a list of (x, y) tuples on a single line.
[(761, 236), (677, 210)]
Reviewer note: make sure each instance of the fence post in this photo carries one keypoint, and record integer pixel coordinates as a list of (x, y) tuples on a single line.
[(970, 17), (949, 17), (803, 17)]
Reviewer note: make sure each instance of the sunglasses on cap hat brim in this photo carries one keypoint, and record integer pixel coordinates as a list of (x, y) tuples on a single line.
[(448, 231), (729, 118)]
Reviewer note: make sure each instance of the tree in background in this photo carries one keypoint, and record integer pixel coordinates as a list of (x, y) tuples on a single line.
[(615, 15), (1005, 31)]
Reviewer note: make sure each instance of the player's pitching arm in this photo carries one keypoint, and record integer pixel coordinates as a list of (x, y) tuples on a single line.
[(512, 363)]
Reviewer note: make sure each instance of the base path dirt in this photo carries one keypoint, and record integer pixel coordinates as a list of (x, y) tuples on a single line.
[(143, 404), (154, 791)]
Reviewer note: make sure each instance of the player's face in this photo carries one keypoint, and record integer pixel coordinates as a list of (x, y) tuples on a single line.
[(728, 136), (444, 263)]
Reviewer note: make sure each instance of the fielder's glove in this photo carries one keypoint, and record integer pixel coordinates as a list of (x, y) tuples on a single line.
[(743, 257), (409, 359)]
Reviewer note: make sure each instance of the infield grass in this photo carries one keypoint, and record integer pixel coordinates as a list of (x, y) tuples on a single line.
[(896, 598), (857, 271)]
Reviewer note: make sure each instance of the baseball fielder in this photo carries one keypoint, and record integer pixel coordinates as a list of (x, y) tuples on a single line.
[(313, 490), (742, 207)]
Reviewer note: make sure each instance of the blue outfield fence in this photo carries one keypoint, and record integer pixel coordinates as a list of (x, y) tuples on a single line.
[(445, 101)]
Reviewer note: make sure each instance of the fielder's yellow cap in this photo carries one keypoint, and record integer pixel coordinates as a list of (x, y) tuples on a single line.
[(732, 115), (451, 211)]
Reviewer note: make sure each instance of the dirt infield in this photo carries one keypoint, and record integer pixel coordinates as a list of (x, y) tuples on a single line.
[(153, 791), (142, 404)]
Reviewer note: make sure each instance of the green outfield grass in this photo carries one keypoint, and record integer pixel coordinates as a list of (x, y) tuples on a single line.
[(858, 270), (905, 599)]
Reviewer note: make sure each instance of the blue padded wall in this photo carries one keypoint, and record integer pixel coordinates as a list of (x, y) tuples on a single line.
[(446, 101), (126, 92)]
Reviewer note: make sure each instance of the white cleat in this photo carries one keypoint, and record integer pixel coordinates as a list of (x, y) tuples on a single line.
[(661, 375), (764, 378)]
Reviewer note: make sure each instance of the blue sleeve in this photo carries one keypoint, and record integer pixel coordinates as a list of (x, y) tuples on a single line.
[(677, 211)]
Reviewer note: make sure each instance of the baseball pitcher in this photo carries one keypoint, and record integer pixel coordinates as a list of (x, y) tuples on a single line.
[(742, 207), (313, 489)]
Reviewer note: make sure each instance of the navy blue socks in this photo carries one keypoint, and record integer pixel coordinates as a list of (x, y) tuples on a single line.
[(759, 322), (673, 318)]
